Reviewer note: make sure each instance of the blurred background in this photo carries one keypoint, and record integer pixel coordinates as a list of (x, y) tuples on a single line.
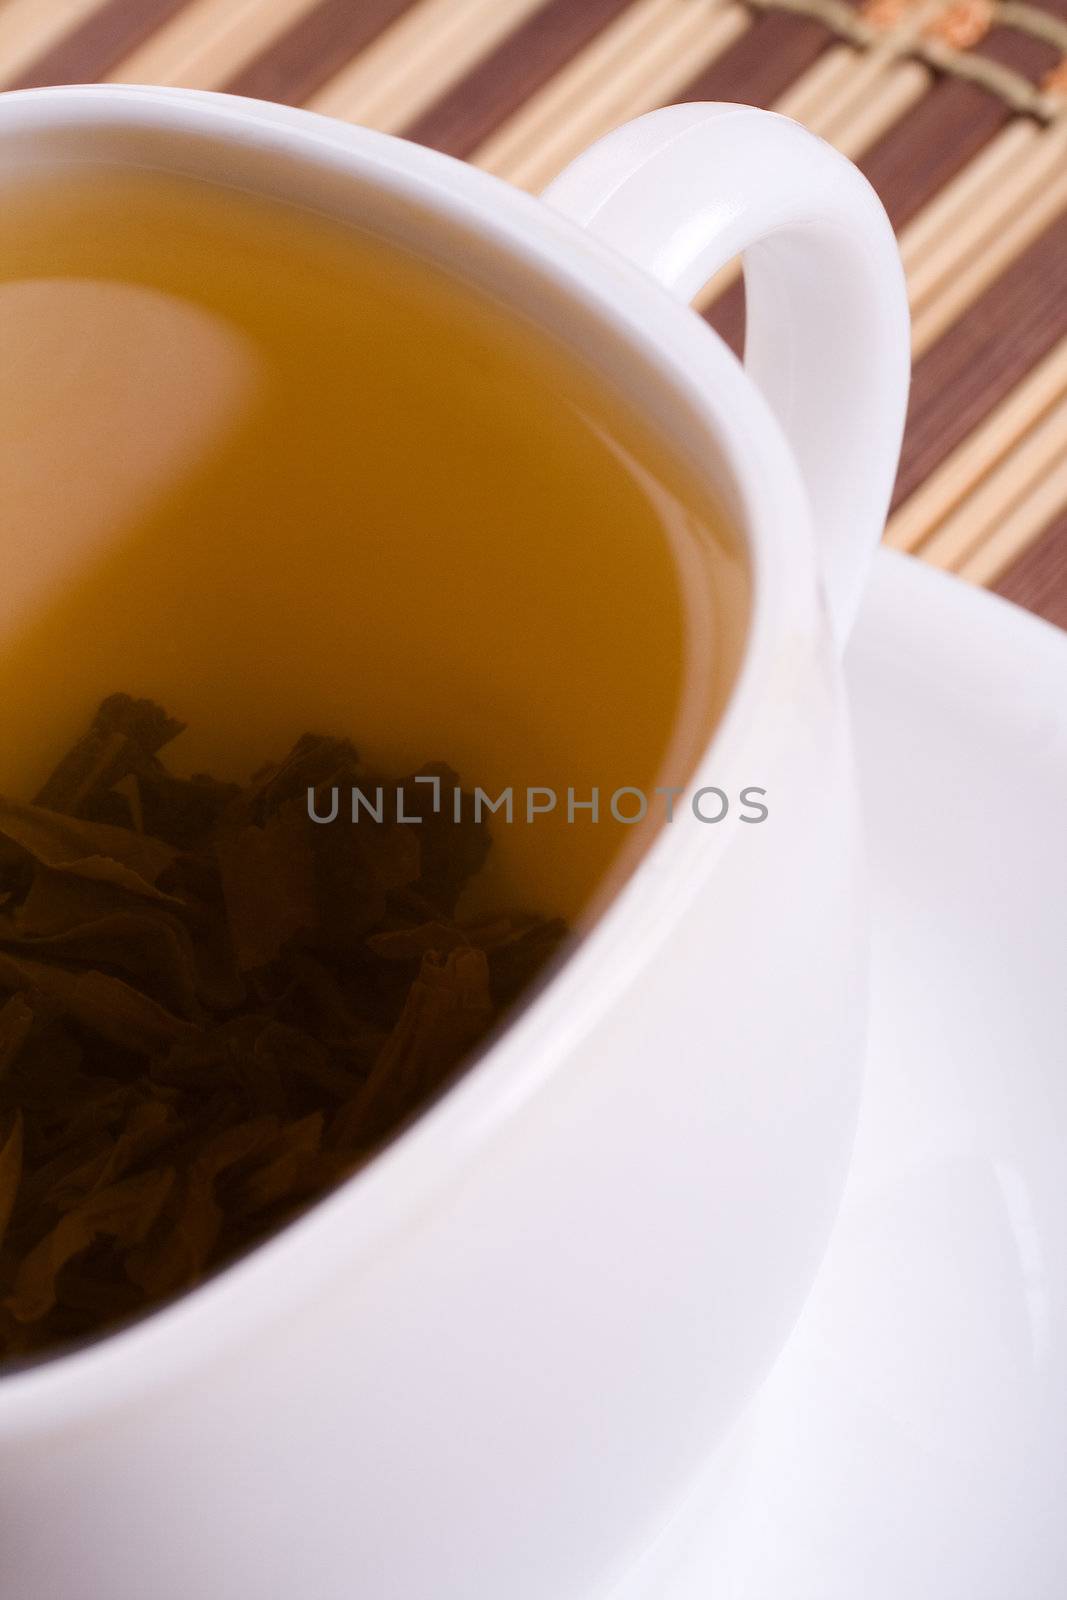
[(956, 112)]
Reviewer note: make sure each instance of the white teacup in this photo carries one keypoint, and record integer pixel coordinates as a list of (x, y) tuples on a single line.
[(489, 1365)]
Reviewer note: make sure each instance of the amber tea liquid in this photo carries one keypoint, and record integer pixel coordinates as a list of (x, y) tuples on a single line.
[(280, 477)]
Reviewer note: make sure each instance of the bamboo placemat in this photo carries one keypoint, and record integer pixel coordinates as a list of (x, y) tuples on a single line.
[(955, 109)]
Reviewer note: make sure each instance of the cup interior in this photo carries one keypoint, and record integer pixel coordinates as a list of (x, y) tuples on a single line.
[(526, 632)]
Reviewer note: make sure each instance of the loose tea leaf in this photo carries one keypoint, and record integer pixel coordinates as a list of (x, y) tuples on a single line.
[(124, 738), (214, 1005), (448, 1008), (101, 1003), (268, 883), (16, 1021), (10, 1172), (125, 1213), (92, 850)]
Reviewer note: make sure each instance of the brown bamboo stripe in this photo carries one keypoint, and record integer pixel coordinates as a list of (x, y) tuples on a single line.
[(1039, 505), (1023, 52), (292, 67), (819, 90), (727, 316), (27, 31), (959, 215), (766, 59), (946, 213), (208, 42), (947, 129), (998, 448), (983, 356), (461, 119), (986, 513), (918, 157), (90, 49), (872, 105), (1038, 579), (636, 63), (1008, 221), (417, 58)]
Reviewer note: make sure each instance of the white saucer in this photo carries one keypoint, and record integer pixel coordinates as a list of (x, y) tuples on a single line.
[(911, 1443)]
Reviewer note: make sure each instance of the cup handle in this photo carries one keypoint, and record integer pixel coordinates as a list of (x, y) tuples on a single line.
[(685, 190)]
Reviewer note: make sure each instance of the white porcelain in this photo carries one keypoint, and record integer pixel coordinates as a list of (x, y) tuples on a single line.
[(488, 1364), (911, 1438)]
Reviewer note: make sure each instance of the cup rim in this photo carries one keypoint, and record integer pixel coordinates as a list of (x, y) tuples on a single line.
[(678, 352)]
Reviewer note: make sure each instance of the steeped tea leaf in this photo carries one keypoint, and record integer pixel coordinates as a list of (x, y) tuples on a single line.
[(447, 1010), (151, 950), (314, 762), (181, 1247), (268, 882), (92, 850), (452, 851), (101, 1003), (411, 944), (124, 738), (16, 1020), (10, 1171), (215, 1005), (125, 1212)]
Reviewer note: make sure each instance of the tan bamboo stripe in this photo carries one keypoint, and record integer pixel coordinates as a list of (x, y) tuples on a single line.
[(649, 53), (830, 107), (862, 125), (973, 524), (418, 59), (1026, 523), (1037, 579), (980, 453), (955, 201), (28, 28), (821, 84), (1014, 216), (1035, 20), (958, 197), (874, 91), (208, 42), (961, 239)]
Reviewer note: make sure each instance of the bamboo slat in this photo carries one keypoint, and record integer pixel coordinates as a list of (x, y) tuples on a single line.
[(1013, 537), (969, 464), (636, 64), (208, 41), (977, 520), (956, 199), (416, 60), (28, 29), (902, 86), (1009, 223), (822, 84)]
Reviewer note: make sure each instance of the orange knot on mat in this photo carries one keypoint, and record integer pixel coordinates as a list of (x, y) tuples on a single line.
[(963, 24), (885, 15), (1055, 80)]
